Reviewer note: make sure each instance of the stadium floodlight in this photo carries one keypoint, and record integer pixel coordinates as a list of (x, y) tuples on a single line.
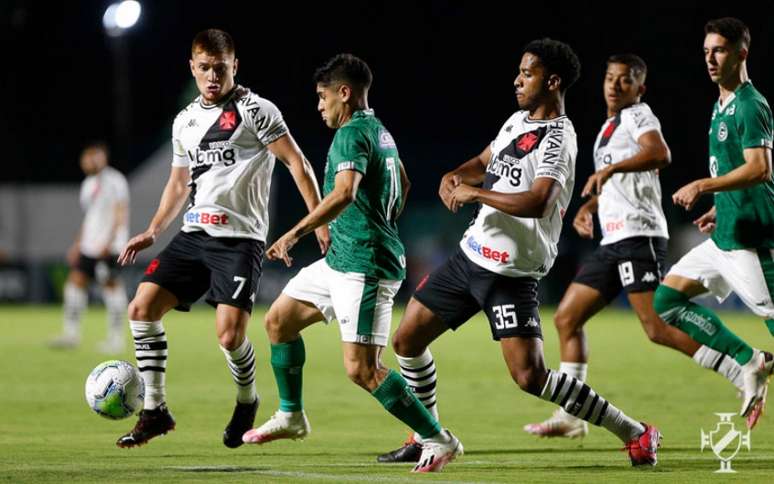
[(120, 17)]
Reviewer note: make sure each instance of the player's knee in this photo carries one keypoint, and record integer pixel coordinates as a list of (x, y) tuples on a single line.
[(273, 326), (529, 379), (140, 311), (566, 324), (667, 302), (230, 339)]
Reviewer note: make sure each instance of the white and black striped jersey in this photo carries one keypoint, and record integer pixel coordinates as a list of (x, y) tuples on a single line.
[(630, 203), (524, 150), (224, 147), (100, 193)]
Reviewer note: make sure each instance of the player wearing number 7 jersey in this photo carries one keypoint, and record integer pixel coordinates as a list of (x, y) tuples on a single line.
[(365, 191), (224, 147)]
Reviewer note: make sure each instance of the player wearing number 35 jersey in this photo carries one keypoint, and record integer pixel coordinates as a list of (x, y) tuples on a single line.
[(527, 176), (224, 147)]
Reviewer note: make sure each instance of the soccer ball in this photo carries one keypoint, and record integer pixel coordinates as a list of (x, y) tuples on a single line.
[(114, 389)]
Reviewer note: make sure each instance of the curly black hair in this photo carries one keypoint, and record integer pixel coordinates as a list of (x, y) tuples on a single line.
[(558, 58)]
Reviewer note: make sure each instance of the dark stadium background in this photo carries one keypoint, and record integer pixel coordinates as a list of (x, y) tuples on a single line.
[(443, 84)]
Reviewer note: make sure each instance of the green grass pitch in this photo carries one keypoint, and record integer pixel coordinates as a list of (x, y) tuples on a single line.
[(48, 434)]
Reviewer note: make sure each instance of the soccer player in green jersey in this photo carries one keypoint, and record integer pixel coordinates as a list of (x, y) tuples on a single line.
[(738, 256), (365, 190)]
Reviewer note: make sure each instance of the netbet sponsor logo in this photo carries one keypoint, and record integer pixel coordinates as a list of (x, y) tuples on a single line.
[(487, 252), (206, 218), (217, 152)]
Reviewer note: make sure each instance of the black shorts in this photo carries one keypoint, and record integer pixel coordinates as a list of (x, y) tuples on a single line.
[(93, 267), (633, 264), (459, 289), (227, 269)]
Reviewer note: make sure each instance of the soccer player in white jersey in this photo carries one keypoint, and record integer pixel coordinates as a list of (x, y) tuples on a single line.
[(104, 198), (625, 193), (224, 147), (527, 174)]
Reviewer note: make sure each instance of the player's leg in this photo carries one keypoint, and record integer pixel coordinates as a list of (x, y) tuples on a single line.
[(149, 305), (175, 279), (235, 268), (114, 296), (663, 334), (579, 303), (442, 301), (305, 300), (75, 299), (524, 357), (707, 268)]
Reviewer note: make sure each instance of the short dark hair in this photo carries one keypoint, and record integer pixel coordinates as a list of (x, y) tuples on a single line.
[(635, 63), (97, 145), (345, 68), (213, 41), (731, 28), (558, 58)]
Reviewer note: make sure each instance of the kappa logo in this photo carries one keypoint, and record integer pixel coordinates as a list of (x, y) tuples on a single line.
[(725, 441), (192, 123), (227, 120), (649, 277)]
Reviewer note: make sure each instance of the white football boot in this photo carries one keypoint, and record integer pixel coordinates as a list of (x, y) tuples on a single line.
[(561, 424), (281, 425)]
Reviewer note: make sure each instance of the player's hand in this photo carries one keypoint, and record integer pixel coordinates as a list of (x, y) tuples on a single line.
[(323, 238), (281, 247), (688, 195), (707, 222), (135, 245), (73, 254), (584, 223), (461, 195), (596, 181), (448, 183)]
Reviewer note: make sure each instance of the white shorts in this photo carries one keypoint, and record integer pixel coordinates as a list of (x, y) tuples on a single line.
[(362, 306), (747, 272)]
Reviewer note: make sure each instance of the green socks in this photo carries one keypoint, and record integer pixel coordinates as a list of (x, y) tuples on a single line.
[(395, 395), (700, 323), (287, 361)]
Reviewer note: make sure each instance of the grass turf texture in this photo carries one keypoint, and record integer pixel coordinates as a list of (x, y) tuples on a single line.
[(48, 434)]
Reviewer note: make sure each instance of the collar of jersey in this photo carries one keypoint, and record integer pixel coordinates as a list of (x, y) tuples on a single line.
[(362, 113), (741, 86), (527, 120), (223, 101)]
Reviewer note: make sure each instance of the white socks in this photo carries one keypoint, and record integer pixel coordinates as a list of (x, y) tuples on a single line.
[(75, 301), (241, 362), (419, 373), (150, 348)]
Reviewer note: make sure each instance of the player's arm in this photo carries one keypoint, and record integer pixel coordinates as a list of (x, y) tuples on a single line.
[(472, 172), (286, 149), (344, 192), (537, 202), (405, 184), (653, 154), (583, 223), (756, 169), (172, 200)]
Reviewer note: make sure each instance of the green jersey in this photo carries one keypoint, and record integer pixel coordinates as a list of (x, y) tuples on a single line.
[(364, 237), (745, 218)]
